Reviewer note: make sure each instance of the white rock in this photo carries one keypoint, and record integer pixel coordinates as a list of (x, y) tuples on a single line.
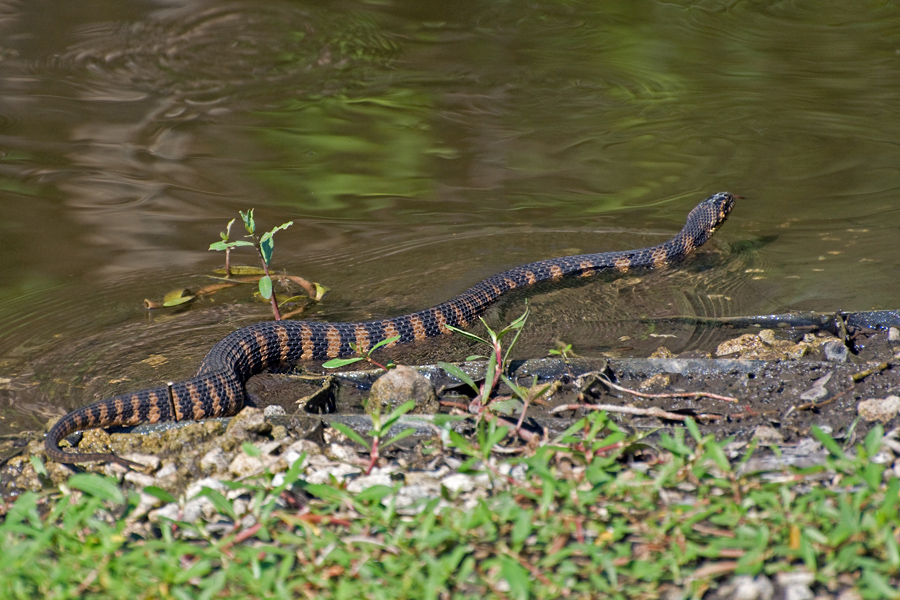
[(366, 481), (168, 469), (245, 466), (745, 587), (879, 409), (207, 482), (343, 453), (214, 461), (339, 472)]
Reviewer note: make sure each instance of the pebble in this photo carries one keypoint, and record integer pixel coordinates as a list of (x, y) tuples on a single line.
[(835, 351), (796, 585), (768, 436), (376, 477), (249, 420), (214, 461), (274, 410), (745, 587), (245, 466), (879, 409)]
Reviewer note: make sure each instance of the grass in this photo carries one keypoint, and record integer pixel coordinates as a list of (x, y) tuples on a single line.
[(573, 519)]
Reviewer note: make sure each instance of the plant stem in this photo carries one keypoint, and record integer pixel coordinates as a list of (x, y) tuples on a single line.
[(274, 302), (373, 455)]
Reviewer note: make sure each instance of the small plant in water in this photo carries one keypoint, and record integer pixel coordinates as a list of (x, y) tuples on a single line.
[(563, 350), (264, 245)]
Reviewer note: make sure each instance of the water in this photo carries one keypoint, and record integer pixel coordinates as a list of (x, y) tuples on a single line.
[(419, 149)]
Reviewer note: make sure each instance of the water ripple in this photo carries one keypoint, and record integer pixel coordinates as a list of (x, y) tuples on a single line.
[(216, 52)]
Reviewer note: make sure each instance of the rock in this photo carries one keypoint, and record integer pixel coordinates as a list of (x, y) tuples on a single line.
[(338, 472), (274, 410), (893, 334), (460, 482), (214, 461), (660, 380), (768, 436), (762, 346), (245, 466), (662, 352), (342, 453), (364, 482), (149, 461), (249, 420), (95, 440), (745, 587), (767, 336), (400, 385), (796, 585), (835, 351), (879, 409), (818, 389)]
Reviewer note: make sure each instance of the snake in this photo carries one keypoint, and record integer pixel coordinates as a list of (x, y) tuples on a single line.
[(217, 390)]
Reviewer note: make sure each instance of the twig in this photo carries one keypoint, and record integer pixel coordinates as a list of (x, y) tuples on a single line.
[(633, 410), (606, 381)]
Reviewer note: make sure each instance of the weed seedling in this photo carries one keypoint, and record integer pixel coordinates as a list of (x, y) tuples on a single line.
[(497, 361), (380, 429), (264, 245)]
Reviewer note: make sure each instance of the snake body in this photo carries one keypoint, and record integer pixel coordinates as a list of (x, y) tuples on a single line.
[(218, 388)]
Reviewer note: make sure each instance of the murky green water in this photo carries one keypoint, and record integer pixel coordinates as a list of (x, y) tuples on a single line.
[(418, 149)]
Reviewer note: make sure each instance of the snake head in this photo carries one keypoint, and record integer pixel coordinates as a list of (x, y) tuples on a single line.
[(707, 217)]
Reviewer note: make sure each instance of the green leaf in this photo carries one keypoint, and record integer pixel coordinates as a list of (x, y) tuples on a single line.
[(321, 290), (350, 433), (269, 234), (221, 504), (38, 465), (391, 340), (337, 363), (459, 374), (506, 407), (523, 526), (487, 388), (374, 493), (159, 493), (97, 486), (399, 412), (177, 301), (266, 248), (251, 450), (461, 443), (241, 270), (249, 223), (516, 576), (226, 245), (829, 442), (692, 428), (265, 287), (176, 295), (516, 326), (873, 440), (403, 434), (468, 335), (227, 233)]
